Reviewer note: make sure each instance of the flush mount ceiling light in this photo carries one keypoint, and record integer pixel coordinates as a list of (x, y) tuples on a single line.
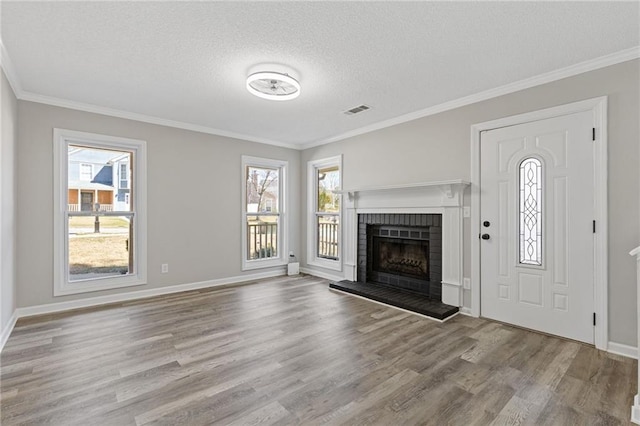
[(273, 85)]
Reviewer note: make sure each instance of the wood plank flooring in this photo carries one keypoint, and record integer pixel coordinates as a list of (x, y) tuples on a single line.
[(289, 351)]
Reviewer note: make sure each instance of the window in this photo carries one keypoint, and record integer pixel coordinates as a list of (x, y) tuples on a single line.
[(530, 211), (86, 172), (124, 173), (324, 236), (102, 245), (263, 213)]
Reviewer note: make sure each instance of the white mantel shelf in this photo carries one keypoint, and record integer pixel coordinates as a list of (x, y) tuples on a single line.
[(448, 187)]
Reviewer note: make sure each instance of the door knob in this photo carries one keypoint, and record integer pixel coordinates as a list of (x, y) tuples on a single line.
[(485, 236), (486, 223)]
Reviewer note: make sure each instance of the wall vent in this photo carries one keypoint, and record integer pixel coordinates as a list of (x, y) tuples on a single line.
[(357, 109)]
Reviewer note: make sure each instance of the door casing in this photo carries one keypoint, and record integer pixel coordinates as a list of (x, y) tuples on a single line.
[(598, 107)]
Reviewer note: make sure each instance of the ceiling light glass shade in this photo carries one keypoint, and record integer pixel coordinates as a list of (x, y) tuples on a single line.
[(273, 85)]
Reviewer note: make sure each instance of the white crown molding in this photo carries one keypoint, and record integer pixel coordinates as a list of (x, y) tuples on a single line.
[(10, 71), (590, 65), (80, 106), (572, 70)]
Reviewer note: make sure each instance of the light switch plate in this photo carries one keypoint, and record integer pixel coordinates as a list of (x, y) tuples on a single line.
[(466, 283)]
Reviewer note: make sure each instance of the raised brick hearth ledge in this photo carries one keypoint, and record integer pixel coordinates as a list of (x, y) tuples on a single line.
[(404, 299)]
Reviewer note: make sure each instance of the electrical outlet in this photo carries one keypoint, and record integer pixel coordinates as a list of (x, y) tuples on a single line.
[(466, 211), (466, 283), (165, 268)]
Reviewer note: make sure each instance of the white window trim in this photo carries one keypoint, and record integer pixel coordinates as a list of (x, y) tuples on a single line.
[(283, 226), (61, 140), (312, 234)]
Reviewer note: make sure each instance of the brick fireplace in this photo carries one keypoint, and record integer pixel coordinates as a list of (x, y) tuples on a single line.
[(402, 251), (432, 209)]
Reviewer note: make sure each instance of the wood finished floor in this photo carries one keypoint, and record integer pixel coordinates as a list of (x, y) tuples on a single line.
[(290, 351)]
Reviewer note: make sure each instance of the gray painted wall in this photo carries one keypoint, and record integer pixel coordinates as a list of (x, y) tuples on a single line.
[(194, 199), (194, 183), (437, 148), (8, 132)]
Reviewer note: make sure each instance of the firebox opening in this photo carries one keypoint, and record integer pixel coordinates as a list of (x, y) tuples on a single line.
[(400, 262), (401, 251), (407, 258)]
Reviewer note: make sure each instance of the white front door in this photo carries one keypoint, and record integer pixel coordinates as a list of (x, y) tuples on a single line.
[(537, 211)]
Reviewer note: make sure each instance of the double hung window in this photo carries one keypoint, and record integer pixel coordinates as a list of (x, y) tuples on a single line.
[(263, 212), (324, 236), (100, 243)]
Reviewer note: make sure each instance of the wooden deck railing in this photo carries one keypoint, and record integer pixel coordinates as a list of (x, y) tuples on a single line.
[(262, 240), (328, 240), (103, 208)]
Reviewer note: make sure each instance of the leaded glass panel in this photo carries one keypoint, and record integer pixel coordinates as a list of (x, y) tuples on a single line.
[(531, 212)]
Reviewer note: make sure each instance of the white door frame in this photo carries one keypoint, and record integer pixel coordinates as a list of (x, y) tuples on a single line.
[(598, 107)]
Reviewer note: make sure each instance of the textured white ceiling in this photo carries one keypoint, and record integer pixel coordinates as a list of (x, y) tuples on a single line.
[(188, 62)]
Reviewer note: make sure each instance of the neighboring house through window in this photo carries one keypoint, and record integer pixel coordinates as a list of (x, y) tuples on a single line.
[(325, 211), (263, 212), (99, 244)]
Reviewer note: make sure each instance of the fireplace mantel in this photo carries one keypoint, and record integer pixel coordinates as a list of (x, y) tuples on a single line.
[(446, 193), (448, 187), (442, 197)]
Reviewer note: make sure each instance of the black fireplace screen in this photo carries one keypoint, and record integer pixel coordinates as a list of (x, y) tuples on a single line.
[(404, 257)]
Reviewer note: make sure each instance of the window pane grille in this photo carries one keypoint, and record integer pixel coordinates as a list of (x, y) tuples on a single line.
[(530, 211)]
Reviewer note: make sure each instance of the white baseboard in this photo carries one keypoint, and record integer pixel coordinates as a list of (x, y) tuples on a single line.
[(635, 410), (320, 274), (466, 311), (142, 294), (8, 329), (624, 350)]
